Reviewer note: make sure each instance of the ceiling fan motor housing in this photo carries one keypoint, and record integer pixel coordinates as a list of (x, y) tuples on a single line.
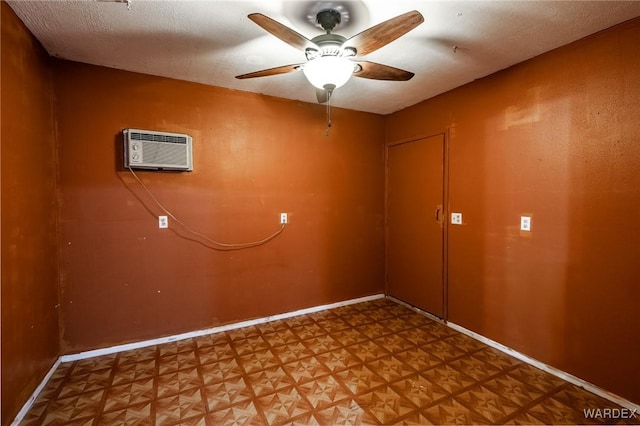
[(330, 45)]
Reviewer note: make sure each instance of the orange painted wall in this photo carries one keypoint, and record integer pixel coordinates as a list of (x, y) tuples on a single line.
[(30, 341), (556, 138), (123, 279)]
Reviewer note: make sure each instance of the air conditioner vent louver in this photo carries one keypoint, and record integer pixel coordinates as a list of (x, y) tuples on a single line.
[(158, 137), (147, 149)]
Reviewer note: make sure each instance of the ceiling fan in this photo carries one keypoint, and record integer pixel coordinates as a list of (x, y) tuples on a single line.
[(331, 58)]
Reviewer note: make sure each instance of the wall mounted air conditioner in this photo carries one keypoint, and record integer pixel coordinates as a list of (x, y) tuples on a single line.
[(147, 149)]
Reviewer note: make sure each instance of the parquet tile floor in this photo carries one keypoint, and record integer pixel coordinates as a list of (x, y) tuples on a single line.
[(375, 362)]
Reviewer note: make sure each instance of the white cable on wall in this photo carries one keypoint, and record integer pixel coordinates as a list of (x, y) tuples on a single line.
[(220, 245)]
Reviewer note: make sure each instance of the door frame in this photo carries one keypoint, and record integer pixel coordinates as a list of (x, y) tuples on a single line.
[(445, 211)]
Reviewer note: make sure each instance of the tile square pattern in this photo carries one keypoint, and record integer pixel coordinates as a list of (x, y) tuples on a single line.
[(370, 363)]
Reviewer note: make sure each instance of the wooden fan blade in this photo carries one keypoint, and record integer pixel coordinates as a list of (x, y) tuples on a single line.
[(283, 32), (384, 33), (377, 71), (322, 95), (271, 71)]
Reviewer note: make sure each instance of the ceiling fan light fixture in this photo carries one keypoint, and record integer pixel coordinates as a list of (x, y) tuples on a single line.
[(332, 71)]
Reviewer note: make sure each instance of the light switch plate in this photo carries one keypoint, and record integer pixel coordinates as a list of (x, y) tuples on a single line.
[(456, 218), (525, 223)]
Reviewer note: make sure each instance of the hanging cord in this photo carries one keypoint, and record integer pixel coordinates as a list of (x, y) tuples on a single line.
[(225, 246), (329, 90)]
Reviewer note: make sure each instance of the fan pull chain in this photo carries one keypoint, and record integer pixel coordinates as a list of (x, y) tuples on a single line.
[(329, 93)]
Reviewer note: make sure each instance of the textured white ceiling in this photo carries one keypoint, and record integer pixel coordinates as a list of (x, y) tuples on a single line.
[(211, 42)]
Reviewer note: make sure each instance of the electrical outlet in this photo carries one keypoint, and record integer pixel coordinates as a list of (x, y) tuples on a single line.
[(163, 222), (525, 223), (456, 218), (284, 218)]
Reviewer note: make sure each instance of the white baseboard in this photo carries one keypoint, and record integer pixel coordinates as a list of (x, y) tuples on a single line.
[(213, 330), (27, 405), (531, 361), (549, 369)]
